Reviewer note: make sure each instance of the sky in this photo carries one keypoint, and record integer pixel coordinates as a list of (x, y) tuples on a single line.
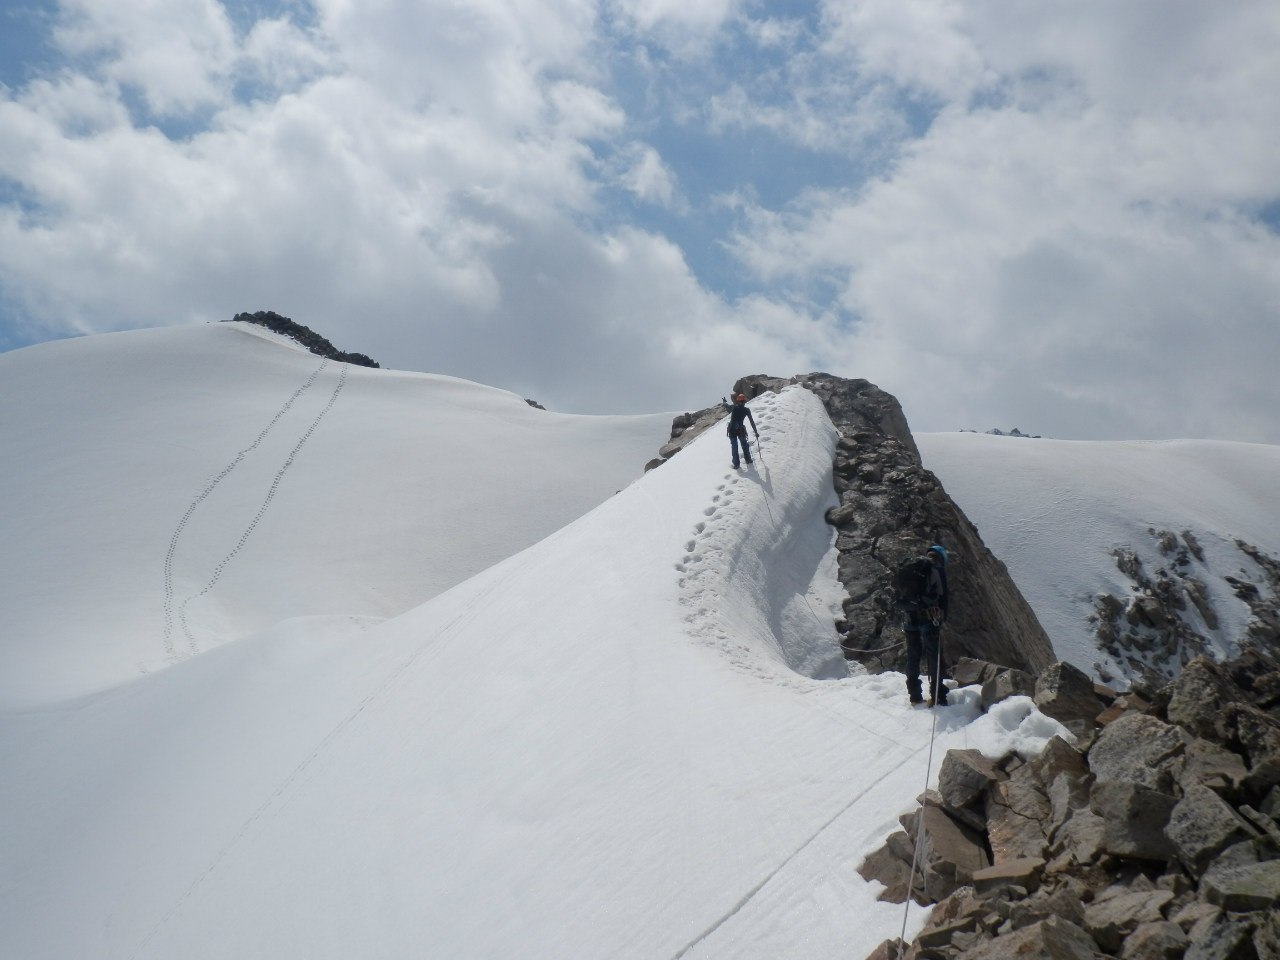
[(1063, 220), (275, 646)]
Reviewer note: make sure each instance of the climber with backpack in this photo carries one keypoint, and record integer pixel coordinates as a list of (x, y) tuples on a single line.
[(738, 429), (920, 592)]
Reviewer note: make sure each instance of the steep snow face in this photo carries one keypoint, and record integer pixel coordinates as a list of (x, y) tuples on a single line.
[(172, 490), (1057, 511)]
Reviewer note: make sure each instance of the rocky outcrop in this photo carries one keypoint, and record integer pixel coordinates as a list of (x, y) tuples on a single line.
[(302, 335), (1168, 617), (891, 507), (1155, 835)]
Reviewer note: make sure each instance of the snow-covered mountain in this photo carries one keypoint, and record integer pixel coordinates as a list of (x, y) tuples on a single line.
[(1160, 523), (308, 660)]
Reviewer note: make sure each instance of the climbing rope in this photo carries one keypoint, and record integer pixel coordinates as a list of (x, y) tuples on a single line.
[(936, 685), (892, 646)]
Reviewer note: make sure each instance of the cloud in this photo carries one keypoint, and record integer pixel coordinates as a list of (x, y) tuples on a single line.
[(646, 175), (1006, 214), (1077, 246), (176, 54)]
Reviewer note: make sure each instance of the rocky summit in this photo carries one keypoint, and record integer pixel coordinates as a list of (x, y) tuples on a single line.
[(892, 507)]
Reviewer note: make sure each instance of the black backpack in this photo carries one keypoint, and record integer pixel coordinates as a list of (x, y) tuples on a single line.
[(911, 581)]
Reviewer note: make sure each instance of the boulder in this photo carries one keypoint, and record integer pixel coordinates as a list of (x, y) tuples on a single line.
[(1139, 749), (1196, 917), (965, 776), (1065, 693), (1025, 873), (1134, 819), (1201, 825), (1157, 940), (1246, 888), (1227, 939), (890, 870), (949, 854), (1082, 839), (1258, 735), (1199, 694), (1006, 684), (1017, 816), (1111, 920), (1204, 762), (1063, 900), (969, 672), (1051, 939)]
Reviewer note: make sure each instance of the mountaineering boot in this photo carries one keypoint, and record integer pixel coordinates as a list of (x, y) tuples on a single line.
[(913, 692)]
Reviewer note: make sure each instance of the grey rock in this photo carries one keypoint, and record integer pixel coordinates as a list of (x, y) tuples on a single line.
[(1196, 917), (887, 868), (1242, 854), (1110, 921), (949, 854), (1063, 900), (1082, 838), (1202, 689), (1214, 766), (1006, 684), (1139, 749), (1158, 940), (1051, 939), (1226, 939), (969, 672), (1134, 819), (965, 776), (1258, 734), (1271, 805), (972, 818), (1266, 937), (1065, 693), (1244, 889), (1201, 825), (1018, 815), (1025, 874)]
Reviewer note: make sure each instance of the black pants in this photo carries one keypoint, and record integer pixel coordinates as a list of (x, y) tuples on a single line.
[(924, 641), (740, 438)]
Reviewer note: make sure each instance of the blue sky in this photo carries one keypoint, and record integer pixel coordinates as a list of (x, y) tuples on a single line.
[(1005, 214)]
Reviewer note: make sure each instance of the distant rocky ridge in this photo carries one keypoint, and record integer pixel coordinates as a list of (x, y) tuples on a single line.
[(303, 335), (1015, 432), (891, 507), (1156, 835), (1167, 617)]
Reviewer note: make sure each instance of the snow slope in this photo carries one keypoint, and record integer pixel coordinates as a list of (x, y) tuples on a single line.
[(1055, 511), (308, 661), (631, 739), (179, 488)]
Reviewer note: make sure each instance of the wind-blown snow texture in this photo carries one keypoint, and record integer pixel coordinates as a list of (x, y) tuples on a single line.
[(306, 661)]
